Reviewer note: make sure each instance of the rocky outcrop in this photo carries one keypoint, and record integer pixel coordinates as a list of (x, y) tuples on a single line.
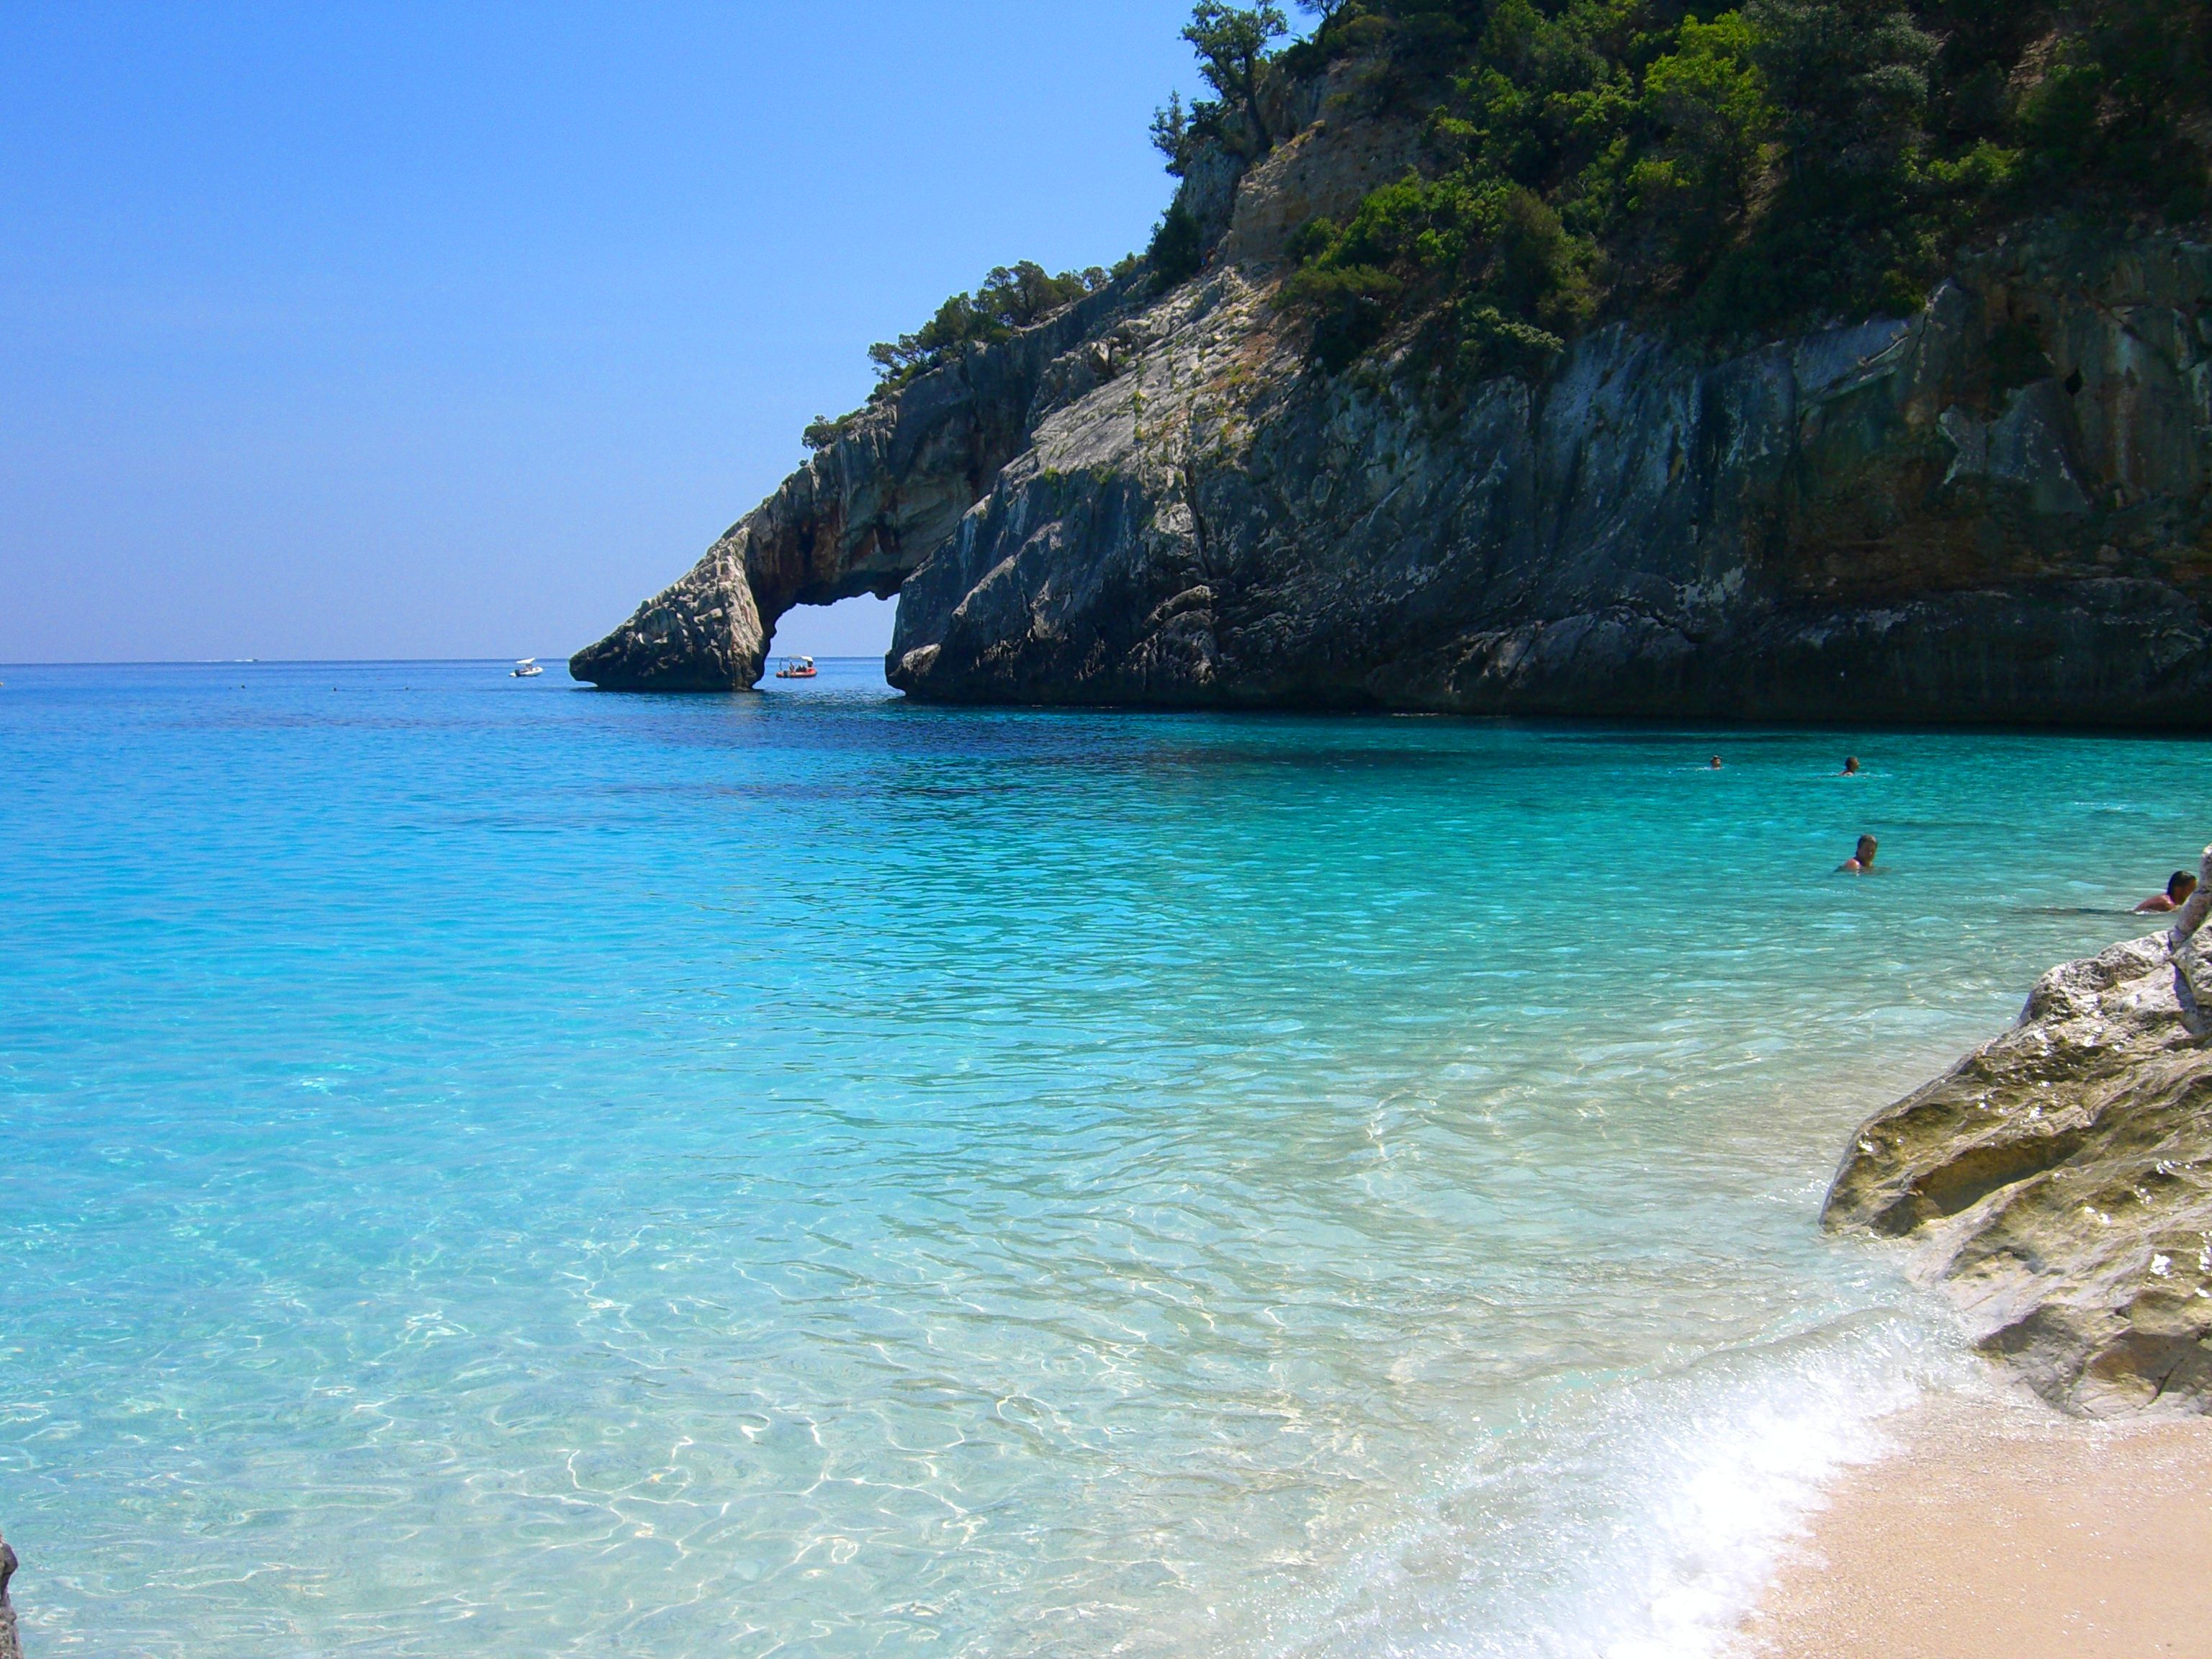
[(2059, 1179), (1994, 510), (10, 1645), (856, 519), (1997, 509)]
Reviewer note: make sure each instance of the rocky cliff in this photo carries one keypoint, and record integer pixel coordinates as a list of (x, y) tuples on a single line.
[(2058, 1181), (1999, 508)]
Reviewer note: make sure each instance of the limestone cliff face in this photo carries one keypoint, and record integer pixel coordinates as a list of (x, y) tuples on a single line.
[(2059, 1179), (1997, 509), (1864, 524)]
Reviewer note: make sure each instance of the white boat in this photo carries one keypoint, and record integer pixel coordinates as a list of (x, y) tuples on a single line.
[(527, 669)]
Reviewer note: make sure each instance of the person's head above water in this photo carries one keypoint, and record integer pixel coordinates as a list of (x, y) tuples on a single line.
[(1862, 860), (2178, 886), (1850, 766), (1717, 763)]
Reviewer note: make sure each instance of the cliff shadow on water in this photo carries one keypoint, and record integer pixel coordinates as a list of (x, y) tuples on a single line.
[(1988, 506)]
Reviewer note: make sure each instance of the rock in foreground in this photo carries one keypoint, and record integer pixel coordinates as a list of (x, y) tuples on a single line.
[(9, 1647), (2060, 1177)]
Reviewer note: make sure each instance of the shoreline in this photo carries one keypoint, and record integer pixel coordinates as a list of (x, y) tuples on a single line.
[(1995, 1524)]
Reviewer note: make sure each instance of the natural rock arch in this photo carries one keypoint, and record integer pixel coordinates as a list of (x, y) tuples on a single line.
[(856, 519)]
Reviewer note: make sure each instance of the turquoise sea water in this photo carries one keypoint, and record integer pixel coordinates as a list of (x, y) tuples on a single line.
[(489, 1168)]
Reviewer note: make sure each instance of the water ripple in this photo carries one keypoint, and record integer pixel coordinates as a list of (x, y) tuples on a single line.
[(501, 1169)]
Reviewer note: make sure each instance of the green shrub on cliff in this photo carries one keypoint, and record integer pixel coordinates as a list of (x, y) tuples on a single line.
[(1011, 297), (1178, 248), (1731, 170), (822, 431), (2122, 99), (1518, 280), (1351, 307)]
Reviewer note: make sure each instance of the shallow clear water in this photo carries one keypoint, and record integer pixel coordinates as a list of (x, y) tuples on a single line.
[(490, 1168)]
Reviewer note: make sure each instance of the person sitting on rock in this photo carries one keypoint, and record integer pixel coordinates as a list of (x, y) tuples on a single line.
[(1860, 863), (2177, 889)]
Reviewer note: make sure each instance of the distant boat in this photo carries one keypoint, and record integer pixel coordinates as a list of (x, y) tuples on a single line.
[(796, 668), (527, 669)]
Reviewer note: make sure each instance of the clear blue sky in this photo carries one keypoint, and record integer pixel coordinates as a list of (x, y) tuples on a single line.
[(339, 330)]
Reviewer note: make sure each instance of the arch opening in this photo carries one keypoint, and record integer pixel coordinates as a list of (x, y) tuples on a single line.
[(858, 625)]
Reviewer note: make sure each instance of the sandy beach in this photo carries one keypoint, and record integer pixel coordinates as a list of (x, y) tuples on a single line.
[(2004, 1529)]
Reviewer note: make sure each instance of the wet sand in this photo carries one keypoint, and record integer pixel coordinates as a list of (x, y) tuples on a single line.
[(2005, 1529)]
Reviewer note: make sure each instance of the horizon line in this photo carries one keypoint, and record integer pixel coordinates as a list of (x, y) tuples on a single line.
[(339, 662)]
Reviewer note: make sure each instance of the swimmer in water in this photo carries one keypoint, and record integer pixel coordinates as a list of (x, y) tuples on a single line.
[(1861, 862), (2177, 889), (1715, 765), (1850, 766)]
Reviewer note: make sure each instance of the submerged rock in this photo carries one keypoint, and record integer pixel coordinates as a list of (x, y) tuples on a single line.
[(2059, 1179)]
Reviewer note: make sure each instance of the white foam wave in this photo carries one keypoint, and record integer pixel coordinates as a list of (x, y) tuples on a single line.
[(1640, 1521)]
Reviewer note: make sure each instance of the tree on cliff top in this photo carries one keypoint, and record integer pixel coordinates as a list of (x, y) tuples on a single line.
[(1011, 297), (1231, 43)]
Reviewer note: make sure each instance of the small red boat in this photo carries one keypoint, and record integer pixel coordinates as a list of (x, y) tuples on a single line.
[(796, 668)]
